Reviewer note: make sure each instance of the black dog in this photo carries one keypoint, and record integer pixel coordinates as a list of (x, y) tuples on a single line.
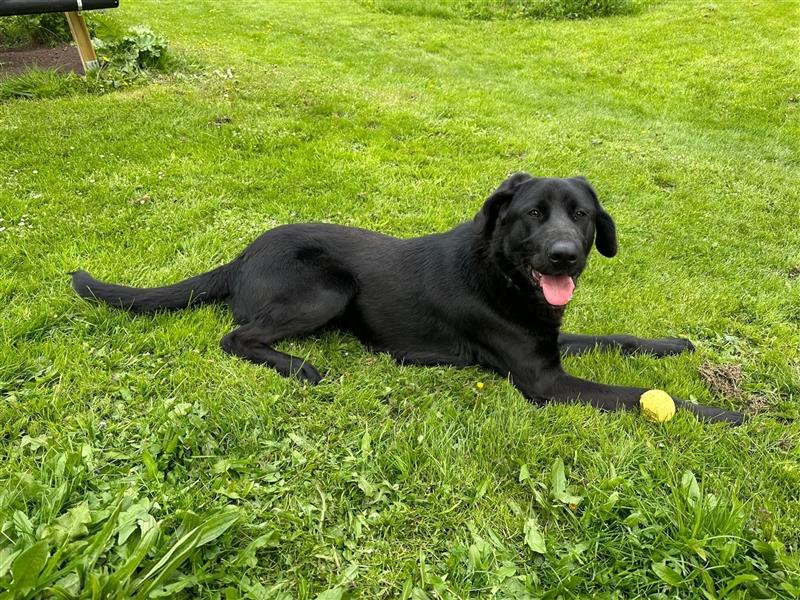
[(490, 292)]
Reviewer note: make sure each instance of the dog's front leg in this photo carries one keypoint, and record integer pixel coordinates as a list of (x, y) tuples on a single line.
[(557, 386), (573, 344)]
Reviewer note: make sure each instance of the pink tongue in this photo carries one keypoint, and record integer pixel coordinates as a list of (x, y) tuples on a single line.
[(557, 288)]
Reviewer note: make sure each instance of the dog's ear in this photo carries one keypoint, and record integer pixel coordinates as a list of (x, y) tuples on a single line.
[(606, 237), (605, 231), (499, 200)]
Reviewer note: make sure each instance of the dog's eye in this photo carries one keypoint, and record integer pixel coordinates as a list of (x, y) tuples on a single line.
[(579, 214), (535, 213)]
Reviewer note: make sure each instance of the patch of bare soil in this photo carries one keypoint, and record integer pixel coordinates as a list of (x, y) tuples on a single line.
[(726, 380), (757, 403), (722, 380), (61, 58)]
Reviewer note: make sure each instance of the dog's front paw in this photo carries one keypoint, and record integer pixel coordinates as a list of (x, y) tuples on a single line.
[(718, 415), (711, 414), (671, 346)]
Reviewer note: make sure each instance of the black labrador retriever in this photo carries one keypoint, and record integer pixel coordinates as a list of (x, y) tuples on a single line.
[(490, 292)]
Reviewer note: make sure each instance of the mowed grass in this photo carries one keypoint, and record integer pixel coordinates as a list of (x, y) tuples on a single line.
[(138, 459)]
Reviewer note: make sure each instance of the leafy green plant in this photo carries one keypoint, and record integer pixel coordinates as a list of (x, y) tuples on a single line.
[(126, 56), (137, 50), (104, 547), (576, 9), (510, 9), (48, 29)]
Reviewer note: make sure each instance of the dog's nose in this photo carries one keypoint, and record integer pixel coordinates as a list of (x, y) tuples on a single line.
[(563, 254)]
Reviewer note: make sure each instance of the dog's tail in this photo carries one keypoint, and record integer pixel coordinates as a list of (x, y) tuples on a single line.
[(214, 285)]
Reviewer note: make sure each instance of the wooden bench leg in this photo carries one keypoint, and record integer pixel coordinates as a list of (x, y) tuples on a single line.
[(82, 40)]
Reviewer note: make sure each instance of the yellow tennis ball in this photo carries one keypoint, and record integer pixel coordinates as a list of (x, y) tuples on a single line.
[(657, 406)]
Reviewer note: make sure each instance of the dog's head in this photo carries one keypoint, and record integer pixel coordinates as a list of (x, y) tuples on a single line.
[(540, 232)]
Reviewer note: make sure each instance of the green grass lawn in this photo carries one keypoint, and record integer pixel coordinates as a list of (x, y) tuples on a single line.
[(136, 455)]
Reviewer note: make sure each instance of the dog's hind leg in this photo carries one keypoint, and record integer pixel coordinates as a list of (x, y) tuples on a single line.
[(253, 340), (572, 344)]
